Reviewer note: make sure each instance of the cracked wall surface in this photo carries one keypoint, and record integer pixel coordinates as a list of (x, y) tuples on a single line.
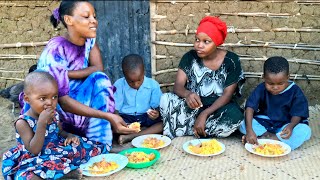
[(28, 21), (266, 16)]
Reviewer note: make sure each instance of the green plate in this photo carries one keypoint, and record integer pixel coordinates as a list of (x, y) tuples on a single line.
[(144, 164)]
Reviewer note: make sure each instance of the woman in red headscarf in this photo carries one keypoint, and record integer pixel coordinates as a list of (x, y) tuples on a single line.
[(207, 81)]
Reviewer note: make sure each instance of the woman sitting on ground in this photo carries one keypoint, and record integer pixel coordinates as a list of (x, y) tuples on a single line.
[(207, 80)]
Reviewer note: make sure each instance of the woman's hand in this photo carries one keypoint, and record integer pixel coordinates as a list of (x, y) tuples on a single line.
[(193, 100), (153, 114), (95, 64), (200, 124), (71, 139), (119, 126)]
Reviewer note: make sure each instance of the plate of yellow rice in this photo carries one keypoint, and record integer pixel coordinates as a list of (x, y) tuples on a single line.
[(104, 165), (269, 148), (152, 141), (204, 147)]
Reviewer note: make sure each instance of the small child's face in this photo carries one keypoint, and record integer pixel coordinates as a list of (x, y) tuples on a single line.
[(135, 78), (276, 83), (43, 96)]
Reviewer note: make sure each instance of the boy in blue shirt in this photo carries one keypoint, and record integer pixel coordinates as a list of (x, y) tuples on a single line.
[(277, 108), (137, 98)]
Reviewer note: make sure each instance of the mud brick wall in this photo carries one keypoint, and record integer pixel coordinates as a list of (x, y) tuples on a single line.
[(23, 22), (182, 18), (28, 21)]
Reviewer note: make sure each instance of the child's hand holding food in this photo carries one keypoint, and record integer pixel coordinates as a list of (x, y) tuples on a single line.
[(153, 114)]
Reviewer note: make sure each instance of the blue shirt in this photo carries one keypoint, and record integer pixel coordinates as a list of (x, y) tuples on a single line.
[(274, 111), (136, 102)]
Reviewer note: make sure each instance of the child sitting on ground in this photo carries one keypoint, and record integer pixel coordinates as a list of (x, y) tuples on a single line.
[(277, 108), (137, 98), (44, 150)]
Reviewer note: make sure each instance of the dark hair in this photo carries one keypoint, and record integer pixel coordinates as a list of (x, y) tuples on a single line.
[(276, 65), (37, 77), (132, 62), (66, 8), (32, 68)]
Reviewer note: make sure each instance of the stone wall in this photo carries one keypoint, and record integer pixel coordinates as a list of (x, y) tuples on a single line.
[(176, 21), (28, 21)]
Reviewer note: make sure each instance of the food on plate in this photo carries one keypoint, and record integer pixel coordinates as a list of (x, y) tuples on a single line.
[(206, 147), (136, 126), (140, 157), (269, 149), (102, 167), (152, 142)]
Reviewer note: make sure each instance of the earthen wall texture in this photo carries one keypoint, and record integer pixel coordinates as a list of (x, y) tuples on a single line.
[(28, 21), (180, 16), (23, 22)]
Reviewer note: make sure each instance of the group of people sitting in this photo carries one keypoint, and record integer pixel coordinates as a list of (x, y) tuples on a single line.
[(72, 111)]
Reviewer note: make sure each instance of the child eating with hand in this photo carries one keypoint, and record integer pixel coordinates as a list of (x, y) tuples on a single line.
[(44, 150), (277, 108), (137, 98)]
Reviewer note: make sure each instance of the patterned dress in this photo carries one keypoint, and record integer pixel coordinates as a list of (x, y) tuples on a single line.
[(96, 91), (179, 119), (54, 161)]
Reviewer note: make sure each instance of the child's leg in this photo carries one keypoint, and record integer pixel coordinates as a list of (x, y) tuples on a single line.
[(75, 174), (22, 174), (300, 134), (154, 129), (257, 128)]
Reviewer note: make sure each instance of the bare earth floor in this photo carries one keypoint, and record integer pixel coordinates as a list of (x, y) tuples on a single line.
[(234, 163)]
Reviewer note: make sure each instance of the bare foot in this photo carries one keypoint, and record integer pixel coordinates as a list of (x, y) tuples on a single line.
[(269, 135), (75, 174), (125, 138), (117, 147), (243, 139)]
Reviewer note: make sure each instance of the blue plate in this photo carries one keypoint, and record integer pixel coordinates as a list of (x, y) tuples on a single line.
[(121, 160)]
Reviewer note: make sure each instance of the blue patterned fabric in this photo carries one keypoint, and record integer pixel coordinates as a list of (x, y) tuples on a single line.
[(54, 161), (95, 91)]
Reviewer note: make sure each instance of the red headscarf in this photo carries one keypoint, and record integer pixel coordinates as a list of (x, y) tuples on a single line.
[(214, 28)]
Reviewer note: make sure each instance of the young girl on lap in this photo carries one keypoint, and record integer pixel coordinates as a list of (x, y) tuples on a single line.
[(44, 150)]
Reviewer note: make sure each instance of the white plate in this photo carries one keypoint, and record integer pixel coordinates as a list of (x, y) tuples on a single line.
[(197, 141), (121, 160), (250, 147), (137, 142)]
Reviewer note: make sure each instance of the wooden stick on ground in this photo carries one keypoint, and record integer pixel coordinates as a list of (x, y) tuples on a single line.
[(18, 56), (19, 44), (239, 44), (17, 79), (250, 58), (232, 29), (11, 71)]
